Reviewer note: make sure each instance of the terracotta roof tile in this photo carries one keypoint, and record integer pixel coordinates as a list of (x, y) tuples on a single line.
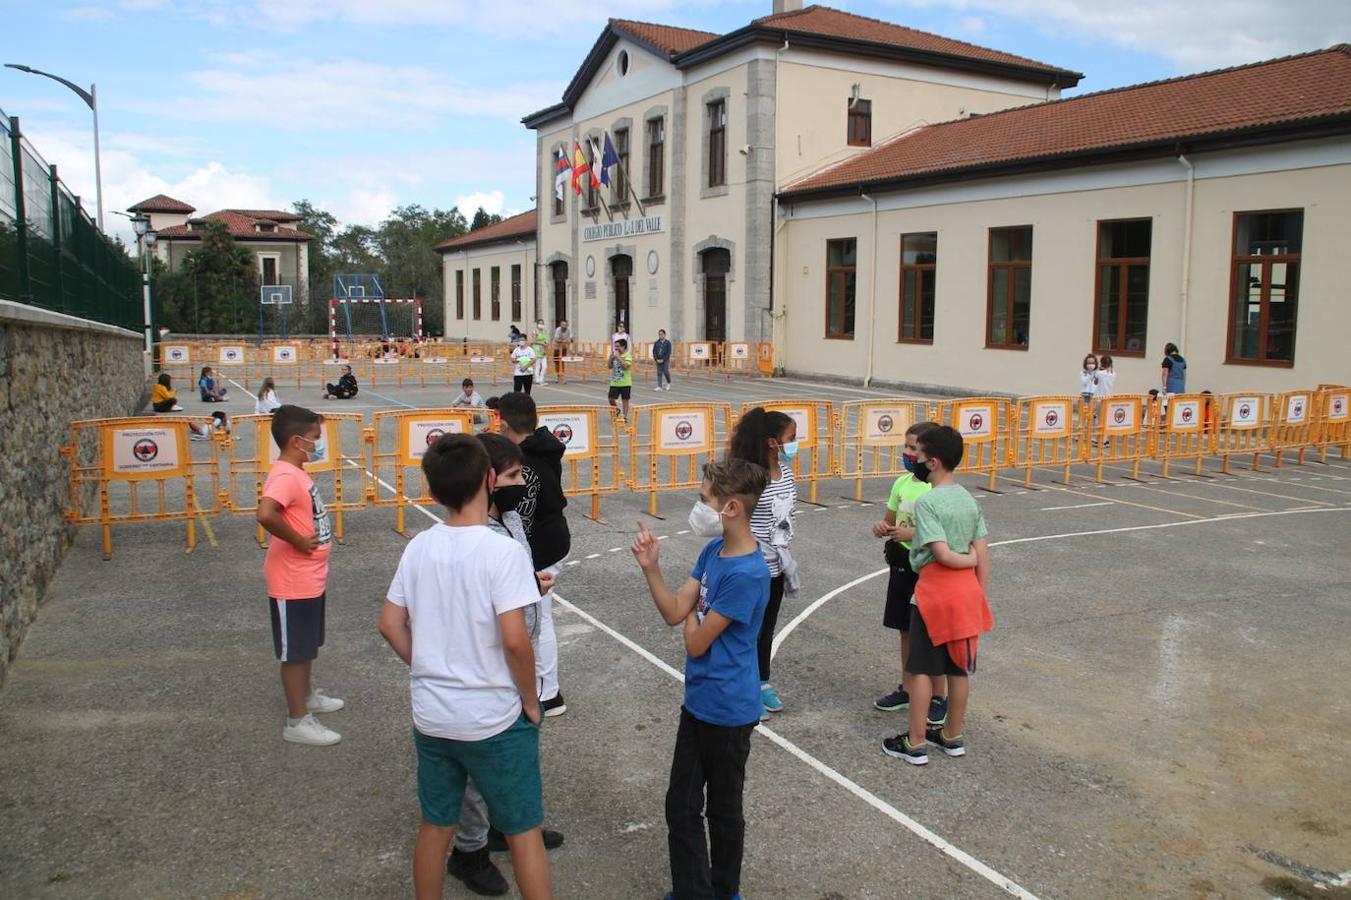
[(162, 203), (510, 229), (276, 215), (241, 228), (666, 38), (1276, 92), (822, 20)]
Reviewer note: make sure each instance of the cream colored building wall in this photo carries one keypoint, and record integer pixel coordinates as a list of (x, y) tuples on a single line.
[(1061, 323), (814, 90), (483, 259)]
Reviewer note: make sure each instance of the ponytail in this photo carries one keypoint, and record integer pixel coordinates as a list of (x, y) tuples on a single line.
[(752, 433)]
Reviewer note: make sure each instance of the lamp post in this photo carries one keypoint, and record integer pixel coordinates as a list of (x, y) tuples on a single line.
[(145, 236), (91, 98)]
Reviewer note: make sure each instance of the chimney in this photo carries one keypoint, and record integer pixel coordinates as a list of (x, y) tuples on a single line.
[(783, 6)]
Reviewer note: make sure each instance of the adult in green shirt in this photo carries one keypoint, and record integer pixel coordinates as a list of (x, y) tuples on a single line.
[(539, 345), (621, 376)]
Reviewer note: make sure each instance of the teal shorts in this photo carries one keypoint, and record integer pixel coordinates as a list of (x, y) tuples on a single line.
[(505, 767)]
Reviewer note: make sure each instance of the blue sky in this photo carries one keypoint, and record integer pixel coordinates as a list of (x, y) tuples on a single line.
[(362, 105)]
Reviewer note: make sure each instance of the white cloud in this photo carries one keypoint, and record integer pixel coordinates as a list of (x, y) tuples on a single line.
[(491, 201), (364, 206), (88, 14), (1193, 36), (299, 94)]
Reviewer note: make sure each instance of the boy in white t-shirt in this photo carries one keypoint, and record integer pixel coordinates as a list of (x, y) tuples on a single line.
[(455, 614), (523, 373)]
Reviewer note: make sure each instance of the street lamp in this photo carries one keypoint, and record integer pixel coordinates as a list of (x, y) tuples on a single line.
[(91, 98), (145, 236)]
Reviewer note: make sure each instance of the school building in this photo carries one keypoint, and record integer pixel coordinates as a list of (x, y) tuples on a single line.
[(795, 180), (490, 279)]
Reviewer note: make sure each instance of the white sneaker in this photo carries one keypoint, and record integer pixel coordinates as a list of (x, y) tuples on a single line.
[(667, 388), (175, 408), (309, 731), (657, 388), (320, 702)]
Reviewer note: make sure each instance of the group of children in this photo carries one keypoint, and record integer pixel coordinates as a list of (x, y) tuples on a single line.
[(1097, 379), (468, 611)]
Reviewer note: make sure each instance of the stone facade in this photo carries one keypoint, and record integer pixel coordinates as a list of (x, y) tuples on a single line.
[(53, 370)]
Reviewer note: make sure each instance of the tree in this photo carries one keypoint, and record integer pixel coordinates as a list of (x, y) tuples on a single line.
[(215, 291), (484, 218)]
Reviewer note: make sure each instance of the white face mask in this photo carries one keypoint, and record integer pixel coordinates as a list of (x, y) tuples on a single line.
[(705, 521)]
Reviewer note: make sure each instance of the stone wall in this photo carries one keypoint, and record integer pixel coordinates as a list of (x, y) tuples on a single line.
[(53, 369)]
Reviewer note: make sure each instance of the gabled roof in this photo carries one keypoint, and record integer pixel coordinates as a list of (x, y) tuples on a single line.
[(818, 27), (508, 231), (162, 203), (1279, 99), (276, 215), (242, 227)]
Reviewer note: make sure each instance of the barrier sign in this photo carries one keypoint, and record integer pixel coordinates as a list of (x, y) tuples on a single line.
[(700, 351), (138, 453), (683, 431), (1296, 409), (738, 351), (1051, 418), (1120, 416), (420, 432), (977, 421), (1185, 415), (885, 425), (572, 429), (177, 354), (232, 355), (1245, 412), (284, 356)]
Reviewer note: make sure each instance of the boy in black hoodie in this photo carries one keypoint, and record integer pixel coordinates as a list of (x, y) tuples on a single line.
[(546, 526)]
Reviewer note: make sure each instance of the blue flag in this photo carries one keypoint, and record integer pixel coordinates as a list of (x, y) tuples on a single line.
[(610, 158)]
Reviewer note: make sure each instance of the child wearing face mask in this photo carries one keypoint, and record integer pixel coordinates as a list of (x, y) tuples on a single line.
[(720, 608), (296, 570), (469, 859), (1088, 378), (898, 527), (769, 439)]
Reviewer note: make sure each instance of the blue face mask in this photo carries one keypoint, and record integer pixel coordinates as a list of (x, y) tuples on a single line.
[(908, 460), (319, 452), (788, 450)]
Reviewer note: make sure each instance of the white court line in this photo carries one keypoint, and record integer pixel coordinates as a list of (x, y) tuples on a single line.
[(390, 399), (817, 604), (1077, 506), (1001, 881)]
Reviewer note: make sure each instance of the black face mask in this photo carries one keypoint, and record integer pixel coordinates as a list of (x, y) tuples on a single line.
[(921, 470), (508, 497)]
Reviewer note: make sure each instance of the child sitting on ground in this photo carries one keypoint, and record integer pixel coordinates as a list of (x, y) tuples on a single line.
[(949, 612), (162, 396), (345, 389), (720, 607), (455, 613)]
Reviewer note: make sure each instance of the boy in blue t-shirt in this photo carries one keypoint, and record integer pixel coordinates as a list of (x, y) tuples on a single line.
[(721, 606)]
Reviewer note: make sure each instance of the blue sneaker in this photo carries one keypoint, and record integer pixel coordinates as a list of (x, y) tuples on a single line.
[(770, 698)]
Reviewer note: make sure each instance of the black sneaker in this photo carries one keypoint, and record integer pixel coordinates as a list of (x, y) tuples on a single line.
[(950, 746), (938, 712), (899, 747), (497, 841), (896, 700), (554, 706), (477, 871)]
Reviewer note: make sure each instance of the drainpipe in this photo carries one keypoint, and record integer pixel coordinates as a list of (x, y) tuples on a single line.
[(1186, 248), (872, 295)]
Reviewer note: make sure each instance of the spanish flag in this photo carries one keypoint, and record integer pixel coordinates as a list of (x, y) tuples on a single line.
[(580, 167)]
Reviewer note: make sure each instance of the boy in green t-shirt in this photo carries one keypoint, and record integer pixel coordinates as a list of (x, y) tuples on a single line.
[(898, 527), (950, 552), (621, 376)]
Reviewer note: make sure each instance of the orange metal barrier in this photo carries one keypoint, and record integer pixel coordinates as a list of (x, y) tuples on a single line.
[(1334, 417), (591, 463), (1053, 432), (764, 358), (398, 439), (1185, 429), (1294, 428), (815, 420), (1244, 428), (250, 452), (870, 438), (1121, 435), (669, 444), (988, 430), (120, 458), (739, 356)]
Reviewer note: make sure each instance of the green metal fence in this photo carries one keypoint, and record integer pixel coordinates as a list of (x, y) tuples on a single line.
[(51, 254)]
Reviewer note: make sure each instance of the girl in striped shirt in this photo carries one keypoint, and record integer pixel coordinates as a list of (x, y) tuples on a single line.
[(769, 439)]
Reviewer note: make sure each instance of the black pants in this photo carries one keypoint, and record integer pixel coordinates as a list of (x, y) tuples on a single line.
[(712, 757), (340, 393), (522, 383), (165, 406), (766, 641)]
